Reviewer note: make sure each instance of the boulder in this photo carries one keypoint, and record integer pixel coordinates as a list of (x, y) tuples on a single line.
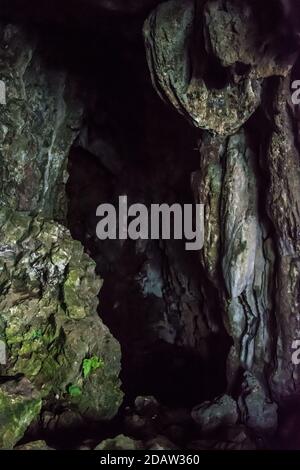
[(257, 410), (211, 416), (49, 321)]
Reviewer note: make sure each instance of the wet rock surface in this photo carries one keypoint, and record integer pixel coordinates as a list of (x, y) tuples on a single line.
[(39, 123), (120, 442), (212, 415), (48, 320), (49, 328), (169, 34), (192, 327), (20, 404), (257, 410)]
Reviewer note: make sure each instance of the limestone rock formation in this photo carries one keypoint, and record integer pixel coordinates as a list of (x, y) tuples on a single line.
[(212, 416), (257, 411), (48, 317), (39, 123), (179, 71), (283, 201), (49, 325), (216, 66), (231, 31), (79, 100)]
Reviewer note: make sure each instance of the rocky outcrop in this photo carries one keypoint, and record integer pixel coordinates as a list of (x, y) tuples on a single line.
[(232, 36), (257, 411), (49, 319), (49, 325), (218, 64), (212, 416), (281, 157), (169, 34), (35, 445), (39, 123)]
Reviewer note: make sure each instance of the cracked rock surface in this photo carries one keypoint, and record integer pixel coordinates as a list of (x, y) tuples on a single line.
[(48, 317), (206, 337), (248, 179), (49, 326)]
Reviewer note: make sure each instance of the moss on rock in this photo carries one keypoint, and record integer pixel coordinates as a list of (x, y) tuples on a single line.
[(20, 404), (46, 280)]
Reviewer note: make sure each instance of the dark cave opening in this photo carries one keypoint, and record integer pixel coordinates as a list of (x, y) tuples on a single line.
[(168, 309), (139, 147), (131, 143), (146, 165)]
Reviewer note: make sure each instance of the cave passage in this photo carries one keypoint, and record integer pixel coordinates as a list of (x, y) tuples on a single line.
[(143, 344), (136, 145)]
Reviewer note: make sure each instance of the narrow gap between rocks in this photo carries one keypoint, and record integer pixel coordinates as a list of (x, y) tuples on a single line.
[(131, 143), (141, 148)]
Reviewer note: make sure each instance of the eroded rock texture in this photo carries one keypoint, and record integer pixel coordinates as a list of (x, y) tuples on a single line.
[(49, 316), (20, 404), (212, 62), (38, 125), (283, 206), (55, 342), (180, 69), (216, 328)]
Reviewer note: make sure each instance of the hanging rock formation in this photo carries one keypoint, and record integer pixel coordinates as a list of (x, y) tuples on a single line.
[(210, 61), (234, 308)]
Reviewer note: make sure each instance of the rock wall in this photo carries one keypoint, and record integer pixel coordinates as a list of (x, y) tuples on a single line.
[(217, 327), (210, 61), (57, 348)]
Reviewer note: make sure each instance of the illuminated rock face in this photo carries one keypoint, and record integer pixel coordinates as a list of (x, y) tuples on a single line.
[(49, 324), (223, 70), (20, 404), (49, 317), (39, 122), (176, 64), (249, 176)]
